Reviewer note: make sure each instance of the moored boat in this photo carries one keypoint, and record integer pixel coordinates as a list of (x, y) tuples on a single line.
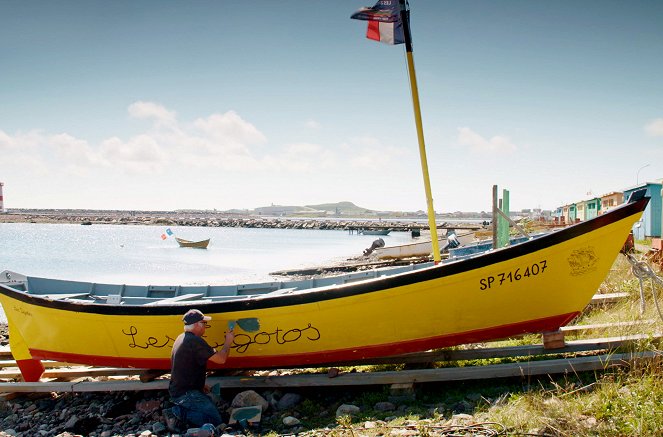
[(202, 244), (374, 231), (538, 285), (420, 248)]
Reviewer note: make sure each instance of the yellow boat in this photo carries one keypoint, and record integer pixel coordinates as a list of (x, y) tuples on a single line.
[(535, 286)]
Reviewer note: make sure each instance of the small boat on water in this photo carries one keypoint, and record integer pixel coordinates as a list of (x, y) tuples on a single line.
[(196, 244), (537, 285), (374, 231), (420, 248)]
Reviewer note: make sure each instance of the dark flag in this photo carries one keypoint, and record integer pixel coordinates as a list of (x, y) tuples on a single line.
[(384, 22)]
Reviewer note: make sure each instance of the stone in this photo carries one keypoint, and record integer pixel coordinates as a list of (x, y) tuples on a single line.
[(71, 422), (148, 406), (290, 421), (347, 410), (158, 428), (384, 406), (249, 398), (245, 415), (462, 419), (288, 401)]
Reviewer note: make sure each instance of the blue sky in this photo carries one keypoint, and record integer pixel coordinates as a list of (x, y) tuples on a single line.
[(163, 105)]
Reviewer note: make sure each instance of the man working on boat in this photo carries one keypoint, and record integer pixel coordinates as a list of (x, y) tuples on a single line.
[(188, 373)]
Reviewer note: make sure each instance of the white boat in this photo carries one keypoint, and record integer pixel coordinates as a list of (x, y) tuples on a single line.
[(421, 248)]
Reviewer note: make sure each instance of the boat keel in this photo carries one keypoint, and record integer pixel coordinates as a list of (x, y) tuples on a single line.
[(31, 369)]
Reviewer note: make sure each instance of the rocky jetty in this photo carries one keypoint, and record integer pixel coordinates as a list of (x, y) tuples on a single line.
[(220, 220)]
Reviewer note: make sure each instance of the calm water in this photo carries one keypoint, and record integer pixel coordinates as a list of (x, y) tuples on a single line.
[(138, 255)]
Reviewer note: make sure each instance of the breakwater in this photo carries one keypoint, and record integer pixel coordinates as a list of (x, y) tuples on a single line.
[(222, 220)]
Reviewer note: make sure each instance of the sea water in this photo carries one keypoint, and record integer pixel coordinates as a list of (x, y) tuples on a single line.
[(137, 255)]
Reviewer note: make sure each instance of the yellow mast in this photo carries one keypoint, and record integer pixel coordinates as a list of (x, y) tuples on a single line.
[(405, 19)]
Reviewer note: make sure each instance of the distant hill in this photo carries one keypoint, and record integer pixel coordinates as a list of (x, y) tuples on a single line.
[(345, 208)]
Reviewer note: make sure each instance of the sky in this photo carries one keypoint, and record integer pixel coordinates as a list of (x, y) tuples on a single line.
[(165, 105)]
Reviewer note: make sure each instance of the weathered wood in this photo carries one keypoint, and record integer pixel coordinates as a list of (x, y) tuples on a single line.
[(530, 368), (598, 326), (47, 364), (553, 340), (5, 353), (598, 345), (607, 298), (594, 344), (77, 372)]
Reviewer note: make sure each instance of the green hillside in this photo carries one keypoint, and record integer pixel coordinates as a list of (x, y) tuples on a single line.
[(344, 208)]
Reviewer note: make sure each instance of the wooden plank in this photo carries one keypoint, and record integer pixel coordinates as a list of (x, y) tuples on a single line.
[(47, 364), (5, 353), (77, 372), (530, 368), (605, 298), (607, 325), (182, 297), (595, 344)]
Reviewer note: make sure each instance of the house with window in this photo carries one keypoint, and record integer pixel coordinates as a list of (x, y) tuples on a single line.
[(650, 223), (610, 200)]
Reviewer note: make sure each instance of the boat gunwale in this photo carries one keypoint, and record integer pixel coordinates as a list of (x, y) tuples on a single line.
[(336, 291)]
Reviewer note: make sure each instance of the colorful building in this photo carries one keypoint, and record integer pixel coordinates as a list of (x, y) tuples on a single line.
[(650, 223), (610, 200)]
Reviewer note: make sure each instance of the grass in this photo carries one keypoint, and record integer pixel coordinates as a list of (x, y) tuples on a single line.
[(621, 401)]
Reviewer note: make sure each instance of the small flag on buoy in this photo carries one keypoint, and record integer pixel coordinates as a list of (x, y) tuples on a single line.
[(164, 236), (169, 232)]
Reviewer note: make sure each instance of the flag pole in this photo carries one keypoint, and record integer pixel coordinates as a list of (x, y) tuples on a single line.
[(405, 20)]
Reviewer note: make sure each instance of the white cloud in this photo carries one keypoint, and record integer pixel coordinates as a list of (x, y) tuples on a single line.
[(151, 110), (477, 143), (655, 128), (227, 133), (140, 154)]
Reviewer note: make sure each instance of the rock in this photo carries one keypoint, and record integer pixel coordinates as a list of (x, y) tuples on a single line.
[(384, 406), (290, 421), (462, 419), (71, 422), (289, 400), (158, 428), (347, 410), (370, 425), (148, 406), (249, 398)]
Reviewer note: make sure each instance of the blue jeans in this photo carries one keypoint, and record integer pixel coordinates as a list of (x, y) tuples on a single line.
[(196, 408)]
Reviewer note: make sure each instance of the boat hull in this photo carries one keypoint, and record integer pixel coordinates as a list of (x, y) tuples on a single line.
[(419, 248), (536, 286), (195, 244)]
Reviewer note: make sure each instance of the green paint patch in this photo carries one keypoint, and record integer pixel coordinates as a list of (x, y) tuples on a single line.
[(249, 324)]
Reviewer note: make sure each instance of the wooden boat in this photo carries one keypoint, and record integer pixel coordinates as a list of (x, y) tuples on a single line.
[(535, 286), (374, 231), (196, 244), (420, 248)]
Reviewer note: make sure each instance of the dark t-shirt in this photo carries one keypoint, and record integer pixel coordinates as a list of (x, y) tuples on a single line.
[(188, 364)]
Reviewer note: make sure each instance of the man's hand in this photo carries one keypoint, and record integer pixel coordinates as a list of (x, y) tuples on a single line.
[(221, 355)]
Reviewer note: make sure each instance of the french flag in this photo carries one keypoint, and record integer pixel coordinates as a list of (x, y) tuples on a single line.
[(388, 33), (384, 22)]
